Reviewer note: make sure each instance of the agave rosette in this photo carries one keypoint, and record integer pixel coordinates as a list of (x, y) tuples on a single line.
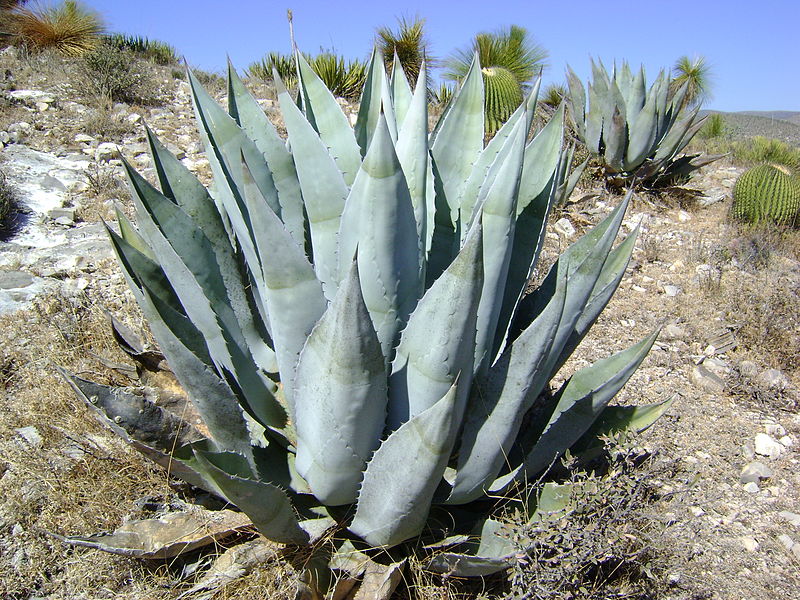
[(638, 132), (346, 311)]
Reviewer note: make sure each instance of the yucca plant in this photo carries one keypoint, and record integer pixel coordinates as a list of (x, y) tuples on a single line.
[(69, 28), (282, 63), (347, 313), (408, 43), (637, 132), (344, 80), (510, 62), (155, 51)]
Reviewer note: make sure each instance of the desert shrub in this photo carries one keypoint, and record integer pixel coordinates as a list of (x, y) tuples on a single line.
[(282, 63), (213, 82), (155, 51), (118, 76), (714, 127), (409, 43), (759, 149), (7, 199), (344, 79), (606, 545), (553, 95), (70, 28)]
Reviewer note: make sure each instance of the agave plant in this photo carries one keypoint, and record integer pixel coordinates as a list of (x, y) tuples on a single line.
[(637, 132), (347, 314)]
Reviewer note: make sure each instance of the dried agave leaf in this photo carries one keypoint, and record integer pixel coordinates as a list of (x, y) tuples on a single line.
[(168, 536)]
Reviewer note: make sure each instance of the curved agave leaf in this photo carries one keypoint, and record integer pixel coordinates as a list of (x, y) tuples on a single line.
[(181, 186), (267, 505), (328, 119), (404, 473), (324, 189), (340, 397), (379, 219), (615, 136), (147, 427), (458, 139), (498, 201), (577, 102), (188, 261), (541, 160), (470, 197), (581, 400), (642, 135), (225, 142), (438, 342), (414, 156), (292, 293), (401, 91), (376, 99), (247, 113), (500, 399), (493, 550)]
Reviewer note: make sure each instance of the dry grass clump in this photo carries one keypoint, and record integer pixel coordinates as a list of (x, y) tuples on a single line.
[(608, 546), (70, 28), (66, 475)]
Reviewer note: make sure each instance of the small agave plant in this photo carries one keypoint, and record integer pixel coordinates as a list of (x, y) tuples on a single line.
[(347, 312), (637, 132)]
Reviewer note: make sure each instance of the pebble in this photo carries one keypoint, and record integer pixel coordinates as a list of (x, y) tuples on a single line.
[(672, 290), (706, 380), (31, 435), (751, 487), (792, 518), (750, 544), (786, 541), (773, 379), (106, 152), (748, 368), (755, 472), (786, 441), (564, 227), (775, 430), (673, 332), (766, 446)]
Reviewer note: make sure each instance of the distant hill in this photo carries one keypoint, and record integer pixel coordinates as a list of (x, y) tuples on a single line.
[(793, 116), (746, 124)]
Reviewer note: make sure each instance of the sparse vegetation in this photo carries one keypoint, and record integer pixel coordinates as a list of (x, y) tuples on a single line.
[(713, 128), (510, 59), (70, 28), (758, 150), (155, 51), (7, 198), (119, 76), (409, 43)]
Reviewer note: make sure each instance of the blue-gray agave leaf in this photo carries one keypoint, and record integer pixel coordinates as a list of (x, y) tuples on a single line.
[(324, 113), (438, 343), (379, 219), (324, 189), (340, 397), (405, 471)]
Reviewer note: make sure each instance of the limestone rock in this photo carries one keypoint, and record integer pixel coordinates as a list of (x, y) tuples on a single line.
[(767, 446)]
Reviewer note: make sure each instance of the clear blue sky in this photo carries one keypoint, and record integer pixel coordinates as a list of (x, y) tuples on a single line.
[(752, 46)]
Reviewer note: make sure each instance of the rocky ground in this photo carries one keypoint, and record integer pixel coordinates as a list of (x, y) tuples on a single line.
[(723, 515)]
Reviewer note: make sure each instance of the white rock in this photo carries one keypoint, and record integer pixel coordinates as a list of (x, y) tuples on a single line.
[(672, 290), (766, 446), (750, 544), (564, 227), (786, 441), (83, 138), (775, 430), (786, 541), (774, 379), (684, 216), (751, 487), (106, 152), (755, 472), (31, 435)]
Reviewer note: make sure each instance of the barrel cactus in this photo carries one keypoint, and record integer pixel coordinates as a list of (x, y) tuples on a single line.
[(348, 314), (503, 96), (767, 193), (638, 133)]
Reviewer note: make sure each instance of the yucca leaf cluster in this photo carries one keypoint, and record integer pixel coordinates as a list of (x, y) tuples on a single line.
[(637, 132), (347, 312)]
